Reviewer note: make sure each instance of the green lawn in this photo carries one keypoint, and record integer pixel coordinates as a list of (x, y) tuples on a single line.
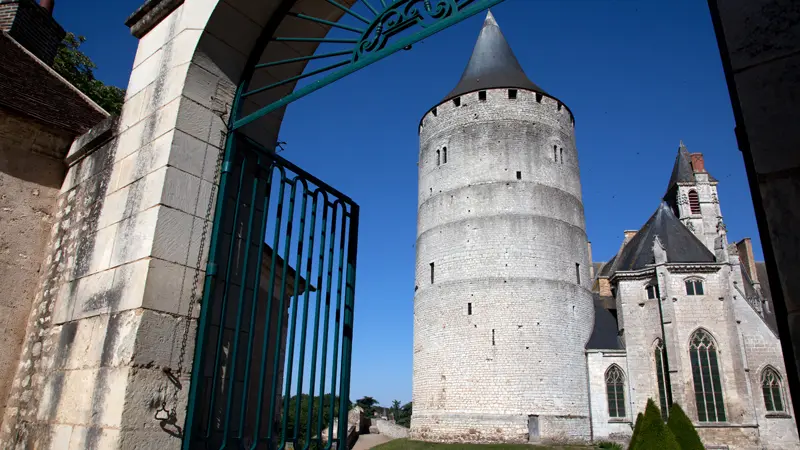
[(405, 444)]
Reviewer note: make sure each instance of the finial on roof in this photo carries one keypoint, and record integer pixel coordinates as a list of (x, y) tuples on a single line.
[(489, 19), (683, 146)]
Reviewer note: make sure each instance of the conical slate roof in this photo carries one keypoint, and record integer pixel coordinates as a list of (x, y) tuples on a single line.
[(492, 65), (682, 170), (681, 245)]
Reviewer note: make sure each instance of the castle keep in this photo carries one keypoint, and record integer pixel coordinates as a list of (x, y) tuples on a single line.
[(502, 277), (519, 338)]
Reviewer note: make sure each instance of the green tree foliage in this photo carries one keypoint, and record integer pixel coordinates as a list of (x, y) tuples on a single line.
[(302, 426), (395, 409), (404, 416), (78, 69), (637, 430), (683, 430), (654, 434), (368, 404)]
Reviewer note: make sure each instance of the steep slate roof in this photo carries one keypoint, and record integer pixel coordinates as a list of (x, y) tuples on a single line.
[(492, 65), (31, 88), (605, 334), (682, 245), (682, 171)]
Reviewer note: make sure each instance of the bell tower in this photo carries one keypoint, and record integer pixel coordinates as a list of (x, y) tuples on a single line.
[(692, 193)]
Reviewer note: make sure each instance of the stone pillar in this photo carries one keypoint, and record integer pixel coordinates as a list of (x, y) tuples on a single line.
[(112, 309), (759, 43)]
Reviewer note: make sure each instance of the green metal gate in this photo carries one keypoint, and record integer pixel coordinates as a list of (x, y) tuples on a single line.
[(275, 336), (274, 342)]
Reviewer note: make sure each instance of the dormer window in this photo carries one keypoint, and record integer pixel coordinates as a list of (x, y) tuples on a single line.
[(694, 287)]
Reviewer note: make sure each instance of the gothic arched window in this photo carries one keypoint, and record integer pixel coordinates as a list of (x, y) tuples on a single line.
[(694, 202), (771, 387), (615, 388), (707, 382), (664, 390)]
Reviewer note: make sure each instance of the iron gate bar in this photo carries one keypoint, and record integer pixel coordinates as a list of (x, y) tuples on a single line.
[(397, 16), (349, 12)]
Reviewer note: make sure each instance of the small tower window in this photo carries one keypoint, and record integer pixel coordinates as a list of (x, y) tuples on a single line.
[(492, 336), (652, 291), (694, 202), (469, 309), (694, 287), (555, 153), (444, 155), (561, 152), (578, 272), (519, 175), (538, 98), (482, 96), (432, 267), (457, 101), (512, 94)]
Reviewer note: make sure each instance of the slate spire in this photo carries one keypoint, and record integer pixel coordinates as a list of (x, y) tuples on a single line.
[(492, 64)]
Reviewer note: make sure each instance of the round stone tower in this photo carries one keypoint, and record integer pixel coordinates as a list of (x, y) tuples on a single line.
[(502, 304)]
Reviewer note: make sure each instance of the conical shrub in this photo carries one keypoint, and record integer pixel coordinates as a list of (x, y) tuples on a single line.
[(637, 429), (683, 430), (654, 434)]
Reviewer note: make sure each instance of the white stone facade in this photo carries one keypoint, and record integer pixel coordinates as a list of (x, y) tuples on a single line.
[(502, 279)]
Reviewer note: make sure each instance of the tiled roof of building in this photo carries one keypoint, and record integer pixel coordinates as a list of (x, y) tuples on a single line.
[(681, 245), (492, 65), (31, 88)]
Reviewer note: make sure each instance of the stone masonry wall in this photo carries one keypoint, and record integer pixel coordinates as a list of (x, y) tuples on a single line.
[(30, 178), (501, 220)]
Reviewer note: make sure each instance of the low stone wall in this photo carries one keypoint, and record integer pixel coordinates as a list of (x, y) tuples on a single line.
[(390, 429)]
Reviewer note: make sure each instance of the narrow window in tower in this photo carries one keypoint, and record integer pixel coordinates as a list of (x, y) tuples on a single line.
[(512, 94), (519, 175), (431, 273), (434, 112), (538, 98), (492, 336), (438, 157), (555, 153), (469, 309), (482, 96), (578, 272), (457, 101), (444, 155), (561, 152), (694, 202)]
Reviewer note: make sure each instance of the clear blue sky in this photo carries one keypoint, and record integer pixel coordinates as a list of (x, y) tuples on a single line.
[(638, 75)]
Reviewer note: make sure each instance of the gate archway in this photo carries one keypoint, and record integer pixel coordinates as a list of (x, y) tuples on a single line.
[(272, 360)]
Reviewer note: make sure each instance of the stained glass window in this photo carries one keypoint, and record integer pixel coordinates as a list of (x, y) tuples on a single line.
[(694, 287), (771, 386), (615, 388), (707, 382)]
